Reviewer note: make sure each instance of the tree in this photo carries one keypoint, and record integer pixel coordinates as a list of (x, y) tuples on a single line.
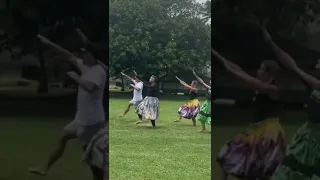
[(282, 16), (22, 20), (157, 36), (206, 11)]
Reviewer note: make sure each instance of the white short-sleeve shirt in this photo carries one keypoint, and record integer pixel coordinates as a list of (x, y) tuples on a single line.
[(90, 108), (137, 95)]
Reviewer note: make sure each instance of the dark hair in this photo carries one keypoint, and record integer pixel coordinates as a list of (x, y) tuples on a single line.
[(90, 49), (271, 66), (195, 82), (154, 77), (136, 77)]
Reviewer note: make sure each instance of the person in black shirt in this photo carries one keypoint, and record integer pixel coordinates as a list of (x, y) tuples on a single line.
[(255, 153), (204, 115), (192, 108), (149, 107), (302, 160)]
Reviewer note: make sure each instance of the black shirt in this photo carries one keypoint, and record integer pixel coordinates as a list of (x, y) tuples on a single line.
[(193, 95), (265, 107), (152, 91)]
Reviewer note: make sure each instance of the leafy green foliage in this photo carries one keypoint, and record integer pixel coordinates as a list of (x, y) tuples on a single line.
[(282, 16), (157, 36)]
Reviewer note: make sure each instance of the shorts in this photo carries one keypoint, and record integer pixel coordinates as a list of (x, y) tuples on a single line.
[(83, 133), (135, 103)]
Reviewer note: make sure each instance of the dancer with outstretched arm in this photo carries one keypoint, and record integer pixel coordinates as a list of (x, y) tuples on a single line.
[(137, 86), (204, 115), (255, 153), (302, 160), (89, 118), (191, 109), (149, 108)]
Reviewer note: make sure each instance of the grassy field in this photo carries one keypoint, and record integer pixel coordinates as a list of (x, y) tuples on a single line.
[(172, 151), (26, 142)]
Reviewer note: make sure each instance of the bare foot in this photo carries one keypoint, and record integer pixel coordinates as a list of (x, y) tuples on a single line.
[(202, 130), (121, 116), (138, 122), (37, 171)]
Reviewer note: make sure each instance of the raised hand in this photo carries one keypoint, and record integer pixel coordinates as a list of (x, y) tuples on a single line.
[(266, 35), (73, 75), (178, 78), (134, 72), (43, 39)]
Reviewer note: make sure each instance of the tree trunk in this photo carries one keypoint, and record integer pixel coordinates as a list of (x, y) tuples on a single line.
[(43, 80), (122, 84)]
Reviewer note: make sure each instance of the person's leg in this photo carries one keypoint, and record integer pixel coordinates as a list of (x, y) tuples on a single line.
[(178, 120), (139, 115), (224, 175), (179, 112), (127, 109), (203, 127), (193, 121), (54, 156), (98, 174), (153, 122)]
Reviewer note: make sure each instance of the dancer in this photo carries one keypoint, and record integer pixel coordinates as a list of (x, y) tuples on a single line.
[(97, 154), (192, 108), (302, 157), (204, 115), (149, 107), (89, 118), (137, 93), (255, 153)]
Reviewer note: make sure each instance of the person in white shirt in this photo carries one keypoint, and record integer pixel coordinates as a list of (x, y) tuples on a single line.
[(137, 93), (90, 117)]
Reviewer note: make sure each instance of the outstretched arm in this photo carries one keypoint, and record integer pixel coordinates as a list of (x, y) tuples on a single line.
[(186, 85), (252, 81), (73, 59), (83, 37), (289, 62), (201, 81), (128, 77)]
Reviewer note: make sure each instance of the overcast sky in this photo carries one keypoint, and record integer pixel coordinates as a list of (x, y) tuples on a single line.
[(201, 1)]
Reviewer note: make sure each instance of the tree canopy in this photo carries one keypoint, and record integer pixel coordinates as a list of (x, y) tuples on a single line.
[(158, 36), (288, 18)]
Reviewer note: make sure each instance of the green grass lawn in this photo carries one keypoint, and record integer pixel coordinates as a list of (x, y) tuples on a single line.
[(173, 151), (26, 142)]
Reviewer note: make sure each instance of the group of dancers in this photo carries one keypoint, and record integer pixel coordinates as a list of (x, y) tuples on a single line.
[(148, 107), (89, 125), (261, 152)]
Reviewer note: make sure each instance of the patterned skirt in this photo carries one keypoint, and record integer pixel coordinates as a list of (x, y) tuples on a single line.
[(190, 110), (302, 161), (257, 151), (97, 150), (149, 108), (204, 115)]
